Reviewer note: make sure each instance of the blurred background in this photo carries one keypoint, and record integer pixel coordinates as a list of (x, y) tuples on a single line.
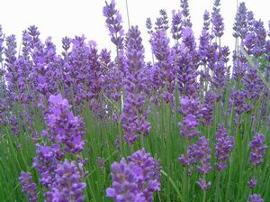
[(59, 18)]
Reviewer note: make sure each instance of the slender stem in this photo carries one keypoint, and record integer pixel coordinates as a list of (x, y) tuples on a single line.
[(127, 14)]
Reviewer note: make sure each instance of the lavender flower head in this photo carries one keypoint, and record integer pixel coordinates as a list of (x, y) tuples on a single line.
[(67, 185), (134, 115), (224, 146), (191, 112), (199, 153), (203, 184), (114, 23), (252, 183), (240, 25), (217, 20), (257, 149), (64, 128), (135, 178), (255, 198), (185, 10), (176, 25), (28, 186), (45, 163)]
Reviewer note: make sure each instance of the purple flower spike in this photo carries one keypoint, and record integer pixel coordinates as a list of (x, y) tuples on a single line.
[(204, 185), (224, 146), (191, 112), (28, 186), (185, 10), (176, 25), (114, 23), (135, 178), (199, 153), (67, 185), (134, 114), (252, 183), (257, 149), (240, 25), (255, 198), (217, 20), (64, 128)]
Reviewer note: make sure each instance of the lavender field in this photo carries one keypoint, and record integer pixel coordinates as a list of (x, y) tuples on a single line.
[(191, 123)]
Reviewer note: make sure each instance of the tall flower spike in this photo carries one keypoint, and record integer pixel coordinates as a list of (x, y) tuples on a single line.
[(176, 25), (134, 115), (257, 149), (45, 163), (240, 25), (162, 22), (65, 129), (224, 146), (217, 20), (114, 23), (67, 185), (187, 64), (198, 154), (28, 186), (254, 41), (191, 112), (185, 10), (1, 45), (160, 48), (135, 178)]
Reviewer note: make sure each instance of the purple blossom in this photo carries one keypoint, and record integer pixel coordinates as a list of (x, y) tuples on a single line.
[(185, 10), (65, 129), (191, 112), (135, 178), (240, 25), (253, 85), (176, 25), (187, 64), (165, 68), (224, 146), (238, 101), (45, 163), (114, 23), (28, 186), (2, 40), (255, 198), (134, 115), (199, 153), (217, 20), (220, 70), (204, 185), (205, 39), (257, 149), (208, 107), (254, 41), (67, 185), (240, 66), (162, 22), (252, 182), (149, 25)]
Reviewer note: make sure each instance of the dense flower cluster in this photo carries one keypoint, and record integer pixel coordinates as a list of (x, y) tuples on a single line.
[(257, 149), (187, 82), (134, 115), (198, 153), (65, 129), (67, 185), (255, 198), (135, 178), (224, 146), (191, 111), (28, 186)]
